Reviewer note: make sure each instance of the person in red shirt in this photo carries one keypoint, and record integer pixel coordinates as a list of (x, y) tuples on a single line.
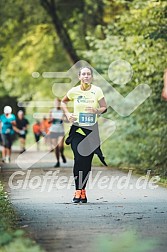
[(45, 126), (37, 132)]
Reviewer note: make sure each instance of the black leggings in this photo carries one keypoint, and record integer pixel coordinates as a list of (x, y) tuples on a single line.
[(82, 164)]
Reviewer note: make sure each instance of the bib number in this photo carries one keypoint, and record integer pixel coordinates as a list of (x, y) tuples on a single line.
[(87, 118)]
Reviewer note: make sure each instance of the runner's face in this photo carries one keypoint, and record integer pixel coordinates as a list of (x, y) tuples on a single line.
[(20, 115), (85, 76)]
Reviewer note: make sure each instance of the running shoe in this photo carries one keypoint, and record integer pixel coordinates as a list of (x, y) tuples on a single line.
[(77, 196), (22, 151), (83, 196), (7, 161), (57, 164), (64, 158)]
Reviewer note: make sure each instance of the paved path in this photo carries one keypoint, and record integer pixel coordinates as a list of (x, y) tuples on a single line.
[(47, 213)]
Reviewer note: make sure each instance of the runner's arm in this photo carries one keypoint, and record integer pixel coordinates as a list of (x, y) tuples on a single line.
[(103, 106), (99, 111), (70, 116), (15, 127), (164, 91)]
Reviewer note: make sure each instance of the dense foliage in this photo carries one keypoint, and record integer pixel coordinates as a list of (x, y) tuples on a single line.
[(139, 36), (41, 36)]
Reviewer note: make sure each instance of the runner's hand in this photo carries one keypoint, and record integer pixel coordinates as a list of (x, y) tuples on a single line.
[(164, 94), (71, 117)]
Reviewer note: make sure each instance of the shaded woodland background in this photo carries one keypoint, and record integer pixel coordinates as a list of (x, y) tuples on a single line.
[(51, 35)]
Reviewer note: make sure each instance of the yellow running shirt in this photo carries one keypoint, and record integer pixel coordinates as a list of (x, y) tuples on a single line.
[(82, 100)]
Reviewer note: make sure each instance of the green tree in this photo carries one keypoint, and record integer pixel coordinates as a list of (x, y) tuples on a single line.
[(137, 35)]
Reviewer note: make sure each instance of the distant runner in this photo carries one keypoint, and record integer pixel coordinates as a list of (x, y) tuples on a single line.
[(22, 126), (37, 132), (57, 132), (8, 124)]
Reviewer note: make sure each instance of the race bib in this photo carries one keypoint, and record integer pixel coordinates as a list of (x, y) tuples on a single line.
[(87, 118)]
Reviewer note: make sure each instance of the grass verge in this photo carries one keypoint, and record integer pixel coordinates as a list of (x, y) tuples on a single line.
[(11, 238)]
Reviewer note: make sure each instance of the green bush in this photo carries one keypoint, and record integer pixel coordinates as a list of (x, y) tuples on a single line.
[(12, 239), (125, 242)]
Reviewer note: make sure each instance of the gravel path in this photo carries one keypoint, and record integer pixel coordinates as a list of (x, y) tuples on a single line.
[(114, 206)]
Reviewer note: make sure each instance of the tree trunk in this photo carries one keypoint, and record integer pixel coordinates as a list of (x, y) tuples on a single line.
[(50, 7)]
